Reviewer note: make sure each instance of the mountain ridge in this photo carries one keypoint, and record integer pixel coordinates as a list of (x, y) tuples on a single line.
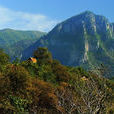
[(86, 39), (10, 38)]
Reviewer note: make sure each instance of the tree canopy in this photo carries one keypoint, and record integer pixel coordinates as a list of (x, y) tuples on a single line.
[(52, 88)]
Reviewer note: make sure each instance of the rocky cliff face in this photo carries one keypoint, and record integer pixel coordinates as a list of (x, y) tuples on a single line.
[(86, 39)]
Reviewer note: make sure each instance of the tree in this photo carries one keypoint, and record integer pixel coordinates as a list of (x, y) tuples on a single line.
[(4, 59), (93, 94), (43, 97), (61, 72), (5, 91), (67, 98), (19, 78), (43, 55)]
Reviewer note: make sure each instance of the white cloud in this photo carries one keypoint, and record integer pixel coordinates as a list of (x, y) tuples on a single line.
[(25, 21)]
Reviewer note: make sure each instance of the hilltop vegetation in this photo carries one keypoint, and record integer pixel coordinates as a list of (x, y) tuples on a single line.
[(49, 87)]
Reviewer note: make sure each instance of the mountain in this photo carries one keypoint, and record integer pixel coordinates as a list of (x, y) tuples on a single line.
[(86, 39), (15, 41)]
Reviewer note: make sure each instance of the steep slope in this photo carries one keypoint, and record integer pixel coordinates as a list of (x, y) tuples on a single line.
[(86, 39), (15, 41), (16, 49)]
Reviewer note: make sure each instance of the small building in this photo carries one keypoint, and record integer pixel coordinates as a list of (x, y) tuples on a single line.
[(84, 78), (33, 60)]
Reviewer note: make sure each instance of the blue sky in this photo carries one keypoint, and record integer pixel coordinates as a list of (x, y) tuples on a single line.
[(43, 15)]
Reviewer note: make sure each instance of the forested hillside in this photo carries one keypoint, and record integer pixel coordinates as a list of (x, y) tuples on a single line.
[(15, 41), (42, 85)]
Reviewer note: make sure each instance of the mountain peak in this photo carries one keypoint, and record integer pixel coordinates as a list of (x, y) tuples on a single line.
[(87, 21), (87, 12), (84, 39), (6, 29)]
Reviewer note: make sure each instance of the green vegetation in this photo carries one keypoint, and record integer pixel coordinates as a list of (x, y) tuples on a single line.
[(47, 87), (15, 41)]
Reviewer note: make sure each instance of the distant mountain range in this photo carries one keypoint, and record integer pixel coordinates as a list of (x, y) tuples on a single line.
[(86, 39), (15, 41)]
